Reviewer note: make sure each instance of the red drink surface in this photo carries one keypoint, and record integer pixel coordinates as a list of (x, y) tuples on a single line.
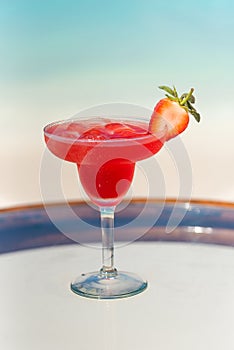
[(105, 152)]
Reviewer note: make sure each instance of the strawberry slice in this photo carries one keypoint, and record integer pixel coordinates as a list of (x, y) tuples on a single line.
[(171, 114)]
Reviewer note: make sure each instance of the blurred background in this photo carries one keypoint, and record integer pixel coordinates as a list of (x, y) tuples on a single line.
[(60, 57)]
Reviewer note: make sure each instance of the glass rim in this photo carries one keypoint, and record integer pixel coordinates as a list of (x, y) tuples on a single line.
[(53, 136)]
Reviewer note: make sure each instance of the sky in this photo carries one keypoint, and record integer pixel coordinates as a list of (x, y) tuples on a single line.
[(42, 40)]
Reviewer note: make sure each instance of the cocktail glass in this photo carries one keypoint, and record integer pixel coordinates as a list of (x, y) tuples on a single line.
[(105, 151)]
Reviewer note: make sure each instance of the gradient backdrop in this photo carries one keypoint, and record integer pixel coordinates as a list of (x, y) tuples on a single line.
[(59, 57)]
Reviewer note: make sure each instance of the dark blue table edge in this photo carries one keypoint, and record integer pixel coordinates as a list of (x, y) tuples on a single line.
[(29, 227)]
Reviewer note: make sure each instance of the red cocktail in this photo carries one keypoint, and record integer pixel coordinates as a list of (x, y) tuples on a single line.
[(105, 152)]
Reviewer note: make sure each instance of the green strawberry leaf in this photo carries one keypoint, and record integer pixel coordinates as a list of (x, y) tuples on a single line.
[(169, 90), (171, 98), (175, 92), (191, 98), (193, 111)]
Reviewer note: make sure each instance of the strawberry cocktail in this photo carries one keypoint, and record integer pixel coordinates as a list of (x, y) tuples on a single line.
[(105, 151)]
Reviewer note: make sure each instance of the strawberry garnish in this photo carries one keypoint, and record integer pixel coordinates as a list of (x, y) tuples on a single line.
[(171, 114)]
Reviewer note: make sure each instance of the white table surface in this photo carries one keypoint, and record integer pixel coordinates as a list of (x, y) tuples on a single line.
[(189, 303)]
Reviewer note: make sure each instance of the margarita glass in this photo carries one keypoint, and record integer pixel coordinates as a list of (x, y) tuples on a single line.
[(105, 151)]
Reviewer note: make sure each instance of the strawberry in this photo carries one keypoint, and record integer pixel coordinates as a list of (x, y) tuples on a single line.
[(171, 114)]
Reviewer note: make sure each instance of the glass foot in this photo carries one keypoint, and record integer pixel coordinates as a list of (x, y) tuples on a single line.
[(99, 285)]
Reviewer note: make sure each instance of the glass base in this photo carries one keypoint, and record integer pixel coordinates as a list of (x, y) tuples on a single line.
[(108, 285)]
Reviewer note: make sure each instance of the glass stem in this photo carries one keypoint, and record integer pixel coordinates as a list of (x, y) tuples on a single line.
[(107, 226)]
